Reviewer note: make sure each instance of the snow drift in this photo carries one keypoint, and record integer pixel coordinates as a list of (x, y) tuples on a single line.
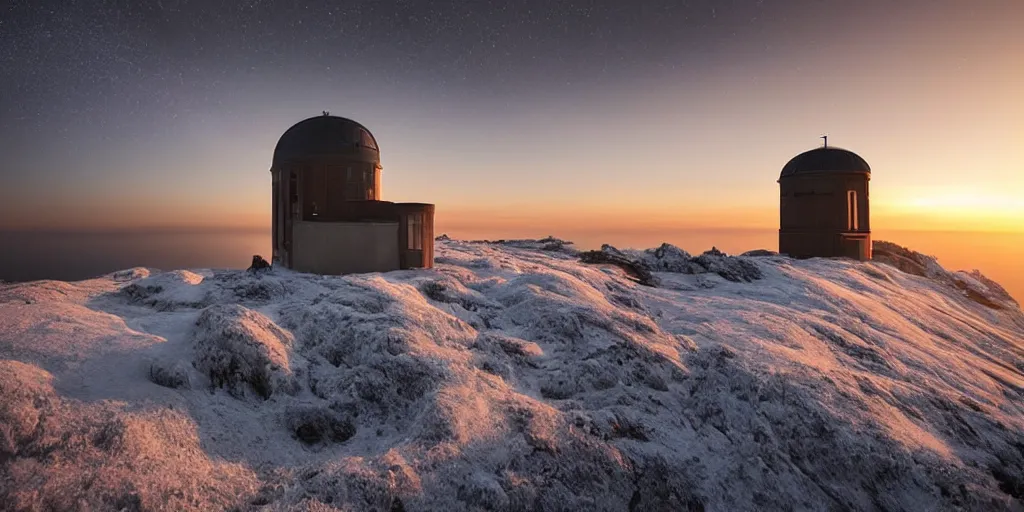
[(515, 377)]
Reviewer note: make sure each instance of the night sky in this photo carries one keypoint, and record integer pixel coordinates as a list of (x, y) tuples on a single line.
[(118, 113), (151, 60)]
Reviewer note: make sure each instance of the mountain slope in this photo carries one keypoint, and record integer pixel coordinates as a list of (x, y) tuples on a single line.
[(514, 377)]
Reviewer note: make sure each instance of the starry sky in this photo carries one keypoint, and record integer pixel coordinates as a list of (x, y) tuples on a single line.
[(651, 113)]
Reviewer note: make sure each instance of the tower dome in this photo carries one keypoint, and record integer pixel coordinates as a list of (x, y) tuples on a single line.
[(326, 206), (823, 205), (327, 136), (826, 159)]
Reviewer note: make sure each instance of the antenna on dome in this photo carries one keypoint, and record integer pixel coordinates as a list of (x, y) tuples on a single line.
[(826, 139), (326, 113)]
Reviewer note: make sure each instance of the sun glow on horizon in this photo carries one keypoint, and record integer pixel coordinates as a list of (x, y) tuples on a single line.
[(923, 212), (956, 209)]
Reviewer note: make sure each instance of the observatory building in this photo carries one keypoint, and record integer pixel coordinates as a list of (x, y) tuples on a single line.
[(823, 209), (328, 216)]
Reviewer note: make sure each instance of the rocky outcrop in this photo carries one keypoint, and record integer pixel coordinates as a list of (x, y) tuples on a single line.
[(972, 285), (259, 264), (669, 258), (634, 269)]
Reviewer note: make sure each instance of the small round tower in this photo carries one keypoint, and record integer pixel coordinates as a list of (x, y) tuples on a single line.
[(823, 208), (328, 216)]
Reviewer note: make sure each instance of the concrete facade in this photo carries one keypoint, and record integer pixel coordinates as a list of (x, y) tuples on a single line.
[(345, 247), (824, 208), (328, 216)]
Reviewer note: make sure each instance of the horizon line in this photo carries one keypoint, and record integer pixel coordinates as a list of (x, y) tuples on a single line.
[(168, 230)]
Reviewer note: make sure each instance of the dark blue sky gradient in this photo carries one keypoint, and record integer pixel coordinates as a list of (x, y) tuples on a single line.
[(158, 109)]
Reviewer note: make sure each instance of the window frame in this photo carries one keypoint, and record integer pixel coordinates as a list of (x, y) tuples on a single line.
[(414, 232), (294, 206), (852, 215)]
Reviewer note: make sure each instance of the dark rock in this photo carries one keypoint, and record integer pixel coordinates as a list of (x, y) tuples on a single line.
[(612, 251), (553, 244), (730, 268), (259, 264), (902, 258), (972, 285), (669, 258), (715, 252), (549, 244), (313, 425), (175, 376), (634, 269)]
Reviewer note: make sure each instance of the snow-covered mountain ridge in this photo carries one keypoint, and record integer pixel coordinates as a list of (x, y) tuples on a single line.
[(515, 377)]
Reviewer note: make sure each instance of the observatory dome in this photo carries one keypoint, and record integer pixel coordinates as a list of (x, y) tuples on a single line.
[(327, 136), (826, 159)]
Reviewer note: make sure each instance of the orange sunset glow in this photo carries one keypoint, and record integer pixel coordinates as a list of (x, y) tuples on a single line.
[(928, 96)]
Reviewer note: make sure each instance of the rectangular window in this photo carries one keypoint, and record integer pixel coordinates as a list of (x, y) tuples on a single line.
[(415, 222), (316, 188), (275, 209), (293, 194), (851, 210), (352, 188)]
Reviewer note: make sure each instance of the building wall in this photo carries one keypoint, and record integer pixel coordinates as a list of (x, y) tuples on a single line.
[(281, 217), (856, 246), (818, 244), (814, 216), (344, 247), (327, 186), (416, 239), (806, 244), (313, 194)]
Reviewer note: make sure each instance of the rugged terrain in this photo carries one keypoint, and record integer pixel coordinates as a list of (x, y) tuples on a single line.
[(516, 377)]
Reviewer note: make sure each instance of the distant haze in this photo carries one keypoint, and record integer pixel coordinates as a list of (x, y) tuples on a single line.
[(73, 256)]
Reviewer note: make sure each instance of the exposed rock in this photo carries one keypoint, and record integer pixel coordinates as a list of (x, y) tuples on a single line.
[(173, 376), (634, 269), (713, 251), (979, 287), (549, 244), (130, 274), (905, 259), (259, 264), (972, 285), (669, 258), (314, 425), (729, 267)]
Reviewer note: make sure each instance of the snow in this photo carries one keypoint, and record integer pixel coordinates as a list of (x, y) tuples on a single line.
[(242, 350), (515, 377)]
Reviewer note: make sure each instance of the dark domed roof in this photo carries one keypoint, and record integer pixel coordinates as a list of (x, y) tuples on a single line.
[(327, 136), (826, 159)]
